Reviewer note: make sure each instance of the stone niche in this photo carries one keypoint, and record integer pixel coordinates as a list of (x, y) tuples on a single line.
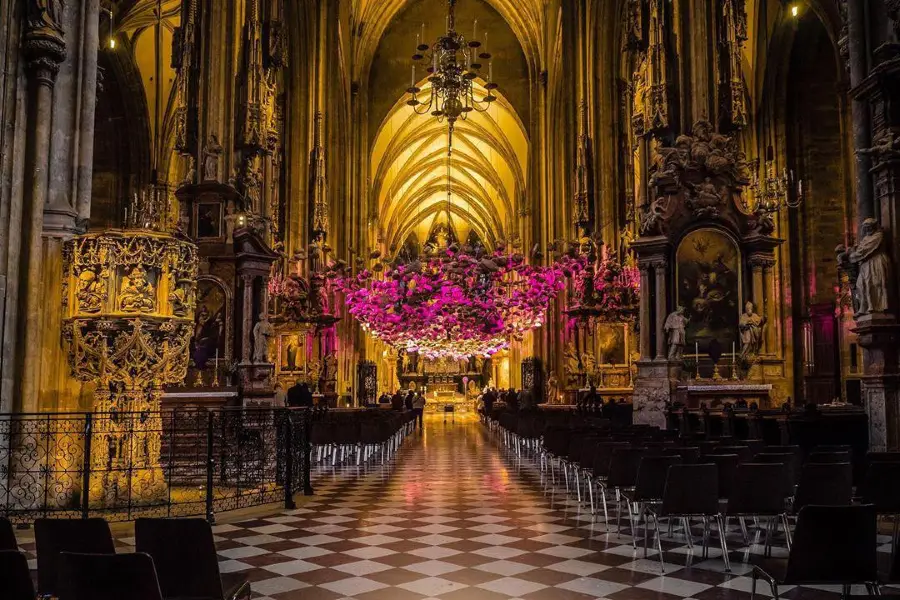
[(702, 248)]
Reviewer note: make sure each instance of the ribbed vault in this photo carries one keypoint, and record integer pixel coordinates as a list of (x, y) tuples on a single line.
[(372, 18), (486, 175)]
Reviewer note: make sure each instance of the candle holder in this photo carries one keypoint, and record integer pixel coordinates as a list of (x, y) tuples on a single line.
[(734, 373), (716, 375), (215, 381)]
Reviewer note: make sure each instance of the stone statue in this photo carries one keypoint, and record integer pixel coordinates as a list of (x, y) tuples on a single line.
[(252, 184), (137, 293), (751, 329), (211, 152), (262, 333), (886, 147), (675, 326), (45, 14), (552, 389), (652, 219), (230, 221), (329, 368), (874, 265)]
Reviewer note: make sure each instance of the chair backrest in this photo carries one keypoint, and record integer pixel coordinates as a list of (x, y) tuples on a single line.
[(689, 454), (757, 490), (15, 576), (833, 545), (825, 484), (691, 490), (822, 457), (745, 453), (7, 535), (881, 487), (623, 467), (651, 477), (603, 452), (726, 466), (54, 536), (791, 464), (108, 577), (188, 568)]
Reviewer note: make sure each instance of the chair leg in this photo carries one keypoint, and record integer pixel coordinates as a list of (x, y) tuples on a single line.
[(590, 488), (743, 523), (662, 563), (633, 526), (705, 537), (605, 509), (753, 585), (787, 530), (687, 532), (720, 523)]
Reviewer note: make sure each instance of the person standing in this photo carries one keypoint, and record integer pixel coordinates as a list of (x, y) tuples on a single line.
[(419, 408)]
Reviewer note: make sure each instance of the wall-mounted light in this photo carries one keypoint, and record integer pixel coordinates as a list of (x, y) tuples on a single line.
[(111, 44), (795, 11)]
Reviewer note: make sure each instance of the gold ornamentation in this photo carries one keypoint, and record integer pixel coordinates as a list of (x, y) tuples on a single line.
[(130, 345), (137, 293)]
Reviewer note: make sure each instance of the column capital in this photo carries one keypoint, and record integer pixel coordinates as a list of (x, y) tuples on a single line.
[(44, 50)]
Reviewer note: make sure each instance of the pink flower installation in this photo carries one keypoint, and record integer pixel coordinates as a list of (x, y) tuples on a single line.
[(617, 289), (457, 303)]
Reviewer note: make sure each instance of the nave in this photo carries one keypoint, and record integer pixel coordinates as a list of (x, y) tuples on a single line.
[(457, 515)]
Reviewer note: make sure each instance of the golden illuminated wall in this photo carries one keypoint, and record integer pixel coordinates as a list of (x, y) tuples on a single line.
[(487, 174)]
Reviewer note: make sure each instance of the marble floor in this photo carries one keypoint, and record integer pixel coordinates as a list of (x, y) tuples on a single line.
[(456, 516)]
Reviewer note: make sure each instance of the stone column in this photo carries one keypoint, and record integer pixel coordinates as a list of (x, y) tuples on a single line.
[(645, 311), (246, 317), (659, 267), (44, 50), (769, 306), (862, 133)]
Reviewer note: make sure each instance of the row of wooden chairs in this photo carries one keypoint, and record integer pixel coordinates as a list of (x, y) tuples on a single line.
[(77, 560)]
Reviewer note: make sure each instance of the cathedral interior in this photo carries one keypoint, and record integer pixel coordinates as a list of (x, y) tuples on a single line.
[(682, 209)]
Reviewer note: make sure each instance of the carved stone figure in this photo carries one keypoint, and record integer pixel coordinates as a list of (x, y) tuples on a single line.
[(552, 389), (90, 292), (179, 297), (705, 198), (262, 333), (230, 221), (675, 325), (45, 14), (329, 368), (211, 153), (874, 269), (652, 219), (137, 292), (851, 269), (751, 329), (886, 147), (251, 181)]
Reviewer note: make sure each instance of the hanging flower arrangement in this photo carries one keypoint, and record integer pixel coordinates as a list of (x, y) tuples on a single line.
[(456, 303), (617, 289)]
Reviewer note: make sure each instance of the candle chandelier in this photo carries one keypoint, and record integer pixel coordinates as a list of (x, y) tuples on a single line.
[(453, 65), (772, 192)]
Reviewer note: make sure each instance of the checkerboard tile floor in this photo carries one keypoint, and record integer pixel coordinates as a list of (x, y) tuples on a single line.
[(456, 516)]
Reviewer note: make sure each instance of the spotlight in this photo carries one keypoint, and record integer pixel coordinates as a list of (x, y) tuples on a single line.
[(795, 11), (112, 43)]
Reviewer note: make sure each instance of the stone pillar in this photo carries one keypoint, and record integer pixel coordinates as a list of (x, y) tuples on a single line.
[(246, 317), (645, 311), (769, 308), (659, 267), (862, 133), (44, 50)]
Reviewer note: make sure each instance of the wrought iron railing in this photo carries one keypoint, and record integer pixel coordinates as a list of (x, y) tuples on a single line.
[(176, 462)]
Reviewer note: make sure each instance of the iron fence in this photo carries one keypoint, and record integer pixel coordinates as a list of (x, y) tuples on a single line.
[(175, 462)]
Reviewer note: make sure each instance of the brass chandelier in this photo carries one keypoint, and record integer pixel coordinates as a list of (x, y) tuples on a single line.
[(453, 65)]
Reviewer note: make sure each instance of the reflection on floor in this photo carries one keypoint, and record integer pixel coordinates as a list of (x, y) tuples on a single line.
[(457, 517)]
